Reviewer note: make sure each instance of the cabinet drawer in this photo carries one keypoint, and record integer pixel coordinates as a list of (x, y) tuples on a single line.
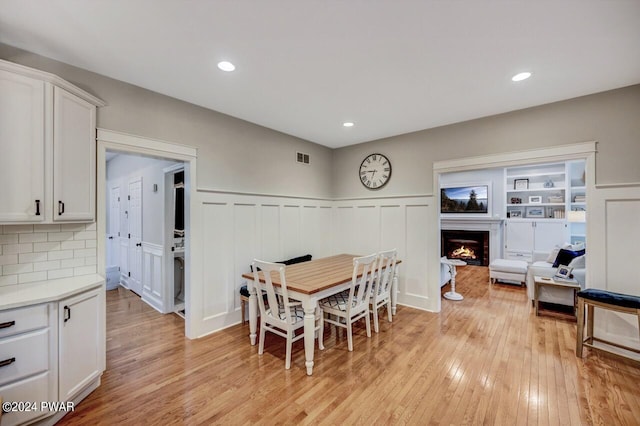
[(24, 355), (21, 320), (33, 389)]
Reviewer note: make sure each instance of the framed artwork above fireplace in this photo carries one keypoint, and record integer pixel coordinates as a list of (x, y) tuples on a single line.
[(466, 199)]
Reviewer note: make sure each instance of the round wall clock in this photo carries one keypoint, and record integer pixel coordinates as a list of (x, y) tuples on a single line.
[(375, 171)]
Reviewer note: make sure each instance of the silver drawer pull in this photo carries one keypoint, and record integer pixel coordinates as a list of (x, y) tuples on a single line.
[(7, 324), (8, 361)]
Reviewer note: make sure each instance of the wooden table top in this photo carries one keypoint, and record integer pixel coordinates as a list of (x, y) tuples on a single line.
[(552, 281), (316, 275)]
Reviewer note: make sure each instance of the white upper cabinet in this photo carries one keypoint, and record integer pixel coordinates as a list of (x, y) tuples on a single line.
[(74, 157), (22, 148), (47, 148)]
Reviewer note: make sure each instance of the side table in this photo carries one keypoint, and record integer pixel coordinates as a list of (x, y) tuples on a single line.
[(452, 263), (542, 281)]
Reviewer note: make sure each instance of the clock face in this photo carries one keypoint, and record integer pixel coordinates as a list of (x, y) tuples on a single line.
[(375, 171)]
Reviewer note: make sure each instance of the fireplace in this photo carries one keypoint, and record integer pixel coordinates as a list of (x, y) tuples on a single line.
[(470, 246)]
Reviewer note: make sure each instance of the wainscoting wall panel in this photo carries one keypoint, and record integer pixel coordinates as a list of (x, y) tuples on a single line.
[(270, 229), (367, 226), (290, 230), (153, 291), (615, 232), (218, 252), (238, 228), (315, 230)]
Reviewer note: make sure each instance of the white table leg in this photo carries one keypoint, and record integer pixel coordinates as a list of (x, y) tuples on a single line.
[(452, 295), (309, 333), (394, 290), (253, 312)]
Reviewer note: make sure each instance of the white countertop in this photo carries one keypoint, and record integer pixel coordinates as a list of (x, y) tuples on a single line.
[(15, 296)]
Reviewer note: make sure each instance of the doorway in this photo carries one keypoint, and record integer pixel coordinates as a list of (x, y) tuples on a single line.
[(123, 238), (563, 153)]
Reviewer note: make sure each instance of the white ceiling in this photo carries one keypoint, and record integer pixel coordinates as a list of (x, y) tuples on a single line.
[(304, 67)]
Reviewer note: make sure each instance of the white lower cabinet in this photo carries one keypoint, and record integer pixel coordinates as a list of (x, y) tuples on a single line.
[(50, 352), (28, 369), (524, 238), (79, 351), (32, 390)]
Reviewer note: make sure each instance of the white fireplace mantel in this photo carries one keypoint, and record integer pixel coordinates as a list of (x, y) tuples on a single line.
[(493, 225)]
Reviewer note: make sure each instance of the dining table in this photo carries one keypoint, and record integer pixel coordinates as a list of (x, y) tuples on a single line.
[(309, 282)]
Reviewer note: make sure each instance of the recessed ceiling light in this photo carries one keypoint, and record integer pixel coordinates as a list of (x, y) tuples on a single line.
[(226, 66), (348, 124), (521, 76)]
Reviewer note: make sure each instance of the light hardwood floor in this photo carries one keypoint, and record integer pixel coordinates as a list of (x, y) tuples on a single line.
[(484, 360)]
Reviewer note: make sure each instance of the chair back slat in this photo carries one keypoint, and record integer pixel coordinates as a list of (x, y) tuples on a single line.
[(361, 286), (276, 302), (384, 278)]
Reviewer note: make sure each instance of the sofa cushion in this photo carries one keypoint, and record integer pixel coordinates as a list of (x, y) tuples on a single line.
[(579, 262), (565, 257), (509, 266)]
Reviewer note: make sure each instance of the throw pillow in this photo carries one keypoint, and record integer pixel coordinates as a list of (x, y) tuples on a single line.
[(566, 256), (579, 262), (553, 255)]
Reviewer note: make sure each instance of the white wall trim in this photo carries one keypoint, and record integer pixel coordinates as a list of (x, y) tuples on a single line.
[(132, 143), (175, 168), (257, 194), (538, 155), (617, 185)]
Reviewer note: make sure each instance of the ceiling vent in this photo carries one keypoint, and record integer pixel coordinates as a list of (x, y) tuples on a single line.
[(302, 158)]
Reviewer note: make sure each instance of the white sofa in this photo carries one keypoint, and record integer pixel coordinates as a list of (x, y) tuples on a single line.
[(542, 268)]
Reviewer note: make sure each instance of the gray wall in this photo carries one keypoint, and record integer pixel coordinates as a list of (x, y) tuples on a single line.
[(612, 118), (233, 155)]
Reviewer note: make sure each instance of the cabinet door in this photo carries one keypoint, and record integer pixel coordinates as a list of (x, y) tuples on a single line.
[(80, 335), (548, 235), (519, 236), (22, 147), (74, 158)]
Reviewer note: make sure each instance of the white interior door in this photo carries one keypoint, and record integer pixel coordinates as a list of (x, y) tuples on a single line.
[(113, 233), (135, 235)]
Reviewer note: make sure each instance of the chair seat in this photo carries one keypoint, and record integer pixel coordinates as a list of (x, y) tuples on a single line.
[(337, 301), (297, 313), (611, 298)]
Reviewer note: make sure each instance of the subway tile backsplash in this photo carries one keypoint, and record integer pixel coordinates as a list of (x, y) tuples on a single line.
[(39, 252)]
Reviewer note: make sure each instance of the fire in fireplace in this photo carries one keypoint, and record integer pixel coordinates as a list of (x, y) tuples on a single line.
[(470, 246), (464, 253)]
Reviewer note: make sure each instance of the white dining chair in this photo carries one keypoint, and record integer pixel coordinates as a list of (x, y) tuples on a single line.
[(351, 305), (278, 314), (381, 292)]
